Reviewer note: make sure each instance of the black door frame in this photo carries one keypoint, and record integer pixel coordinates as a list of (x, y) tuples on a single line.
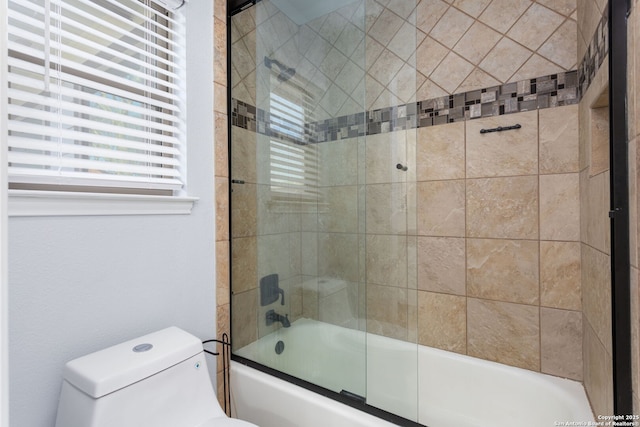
[(619, 213), (619, 169)]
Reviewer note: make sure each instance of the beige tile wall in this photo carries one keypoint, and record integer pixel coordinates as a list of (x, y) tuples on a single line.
[(404, 51), (589, 13), (499, 240), (497, 243), (492, 267), (594, 225), (634, 177)]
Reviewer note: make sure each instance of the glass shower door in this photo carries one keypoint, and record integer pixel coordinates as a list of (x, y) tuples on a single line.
[(323, 196), (391, 272), (298, 98), (389, 188)]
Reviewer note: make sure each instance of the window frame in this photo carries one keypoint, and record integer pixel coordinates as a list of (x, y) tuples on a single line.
[(44, 202)]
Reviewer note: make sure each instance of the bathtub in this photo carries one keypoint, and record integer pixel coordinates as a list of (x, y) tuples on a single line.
[(432, 387)]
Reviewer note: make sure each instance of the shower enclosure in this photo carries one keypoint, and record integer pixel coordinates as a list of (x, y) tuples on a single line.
[(406, 170), (321, 208)]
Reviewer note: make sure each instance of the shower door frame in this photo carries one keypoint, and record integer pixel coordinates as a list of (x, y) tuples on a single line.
[(619, 215), (619, 209)]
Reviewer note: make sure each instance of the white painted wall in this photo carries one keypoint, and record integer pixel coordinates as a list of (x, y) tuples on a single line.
[(78, 284)]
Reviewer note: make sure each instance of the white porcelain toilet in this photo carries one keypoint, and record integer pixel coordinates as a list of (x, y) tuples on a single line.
[(158, 380)]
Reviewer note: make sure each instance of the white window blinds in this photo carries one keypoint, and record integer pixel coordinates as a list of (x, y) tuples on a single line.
[(293, 160), (95, 94)]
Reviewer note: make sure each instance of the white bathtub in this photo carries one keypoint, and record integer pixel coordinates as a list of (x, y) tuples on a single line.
[(433, 387)]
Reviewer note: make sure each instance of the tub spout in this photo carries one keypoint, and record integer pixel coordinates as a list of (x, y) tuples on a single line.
[(273, 317)]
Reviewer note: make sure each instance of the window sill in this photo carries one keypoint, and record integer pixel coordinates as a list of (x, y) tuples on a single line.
[(23, 203)]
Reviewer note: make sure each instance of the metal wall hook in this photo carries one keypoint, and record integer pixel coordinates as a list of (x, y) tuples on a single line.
[(401, 167)]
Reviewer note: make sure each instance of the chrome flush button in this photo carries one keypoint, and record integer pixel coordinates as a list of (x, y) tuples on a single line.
[(141, 348)]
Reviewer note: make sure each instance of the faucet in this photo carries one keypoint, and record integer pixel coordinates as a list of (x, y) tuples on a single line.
[(272, 317)]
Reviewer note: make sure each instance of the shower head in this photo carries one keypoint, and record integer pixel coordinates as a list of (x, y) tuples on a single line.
[(285, 72)]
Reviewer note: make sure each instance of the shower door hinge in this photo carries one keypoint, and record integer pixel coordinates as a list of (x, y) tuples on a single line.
[(613, 213)]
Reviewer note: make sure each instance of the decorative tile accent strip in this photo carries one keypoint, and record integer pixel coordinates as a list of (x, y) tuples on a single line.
[(350, 126), (597, 50), (543, 92)]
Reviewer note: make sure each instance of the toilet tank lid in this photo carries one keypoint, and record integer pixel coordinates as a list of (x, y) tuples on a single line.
[(116, 367)]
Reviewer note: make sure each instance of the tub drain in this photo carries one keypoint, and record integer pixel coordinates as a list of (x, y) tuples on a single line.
[(279, 347)]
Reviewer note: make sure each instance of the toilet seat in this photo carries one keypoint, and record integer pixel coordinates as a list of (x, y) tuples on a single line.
[(226, 422)]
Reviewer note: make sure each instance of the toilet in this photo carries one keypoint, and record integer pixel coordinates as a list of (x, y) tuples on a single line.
[(158, 380)]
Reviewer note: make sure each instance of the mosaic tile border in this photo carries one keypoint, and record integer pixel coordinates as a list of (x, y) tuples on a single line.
[(542, 92), (549, 91)]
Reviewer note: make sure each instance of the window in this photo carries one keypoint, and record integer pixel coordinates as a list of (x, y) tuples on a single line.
[(293, 160), (94, 96)]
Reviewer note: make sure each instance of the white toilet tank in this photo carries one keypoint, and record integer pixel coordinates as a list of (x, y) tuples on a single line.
[(158, 380)]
